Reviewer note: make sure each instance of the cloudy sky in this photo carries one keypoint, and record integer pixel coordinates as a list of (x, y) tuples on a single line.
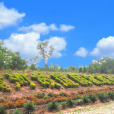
[(79, 31)]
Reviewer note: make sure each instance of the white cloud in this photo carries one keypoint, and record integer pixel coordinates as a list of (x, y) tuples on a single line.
[(26, 44), (66, 27), (44, 29), (9, 16), (104, 47), (59, 44), (81, 52), (40, 28)]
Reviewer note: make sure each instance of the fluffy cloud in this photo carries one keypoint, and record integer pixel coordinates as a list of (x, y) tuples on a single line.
[(9, 16), (59, 44), (81, 52), (26, 44), (104, 47), (66, 27), (44, 29), (40, 28)]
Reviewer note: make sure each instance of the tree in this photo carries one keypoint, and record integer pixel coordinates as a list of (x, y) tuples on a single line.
[(43, 50), (80, 69), (84, 70)]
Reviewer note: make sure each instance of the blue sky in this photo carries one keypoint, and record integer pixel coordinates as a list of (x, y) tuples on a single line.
[(80, 31)]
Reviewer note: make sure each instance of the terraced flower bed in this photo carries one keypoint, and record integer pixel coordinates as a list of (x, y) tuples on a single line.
[(45, 81), (62, 79), (19, 80), (79, 79)]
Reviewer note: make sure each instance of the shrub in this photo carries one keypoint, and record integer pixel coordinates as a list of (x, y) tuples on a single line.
[(40, 95), (52, 106), (8, 90), (52, 85), (33, 77), (29, 107), (111, 95), (64, 105), (32, 85), (70, 103), (86, 99), (103, 97), (58, 86), (25, 83), (6, 75), (93, 97), (65, 85), (18, 86), (4, 88), (79, 102), (61, 94), (2, 110), (16, 111), (50, 94), (43, 84)]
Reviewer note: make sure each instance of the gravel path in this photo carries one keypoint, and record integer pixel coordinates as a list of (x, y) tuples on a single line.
[(106, 108)]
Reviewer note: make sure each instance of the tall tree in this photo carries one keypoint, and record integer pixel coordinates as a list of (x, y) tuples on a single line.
[(44, 51)]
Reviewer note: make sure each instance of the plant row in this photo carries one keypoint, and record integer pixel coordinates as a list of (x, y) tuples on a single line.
[(104, 80), (19, 80), (45, 81), (62, 79), (3, 86), (79, 79), (93, 80)]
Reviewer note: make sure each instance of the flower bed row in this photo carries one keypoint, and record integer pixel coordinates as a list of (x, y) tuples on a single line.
[(3, 86), (20, 80), (45, 81), (79, 79), (62, 79), (52, 97), (92, 79)]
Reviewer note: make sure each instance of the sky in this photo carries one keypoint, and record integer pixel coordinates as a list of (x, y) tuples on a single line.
[(79, 30)]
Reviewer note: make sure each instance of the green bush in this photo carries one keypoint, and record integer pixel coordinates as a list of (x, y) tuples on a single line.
[(8, 90), (2, 110), (58, 86), (29, 107), (43, 84), (65, 85), (40, 95), (16, 111), (50, 94), (4, 88), (6, 75), (111, 95), (18, 86), (52, 106), (33, 77), (64, 105), (52, 85), (86, 99), (25, 83), (93, 97), (32, 85), (103, 97), (79, 102), (70, 103), (61, 94)]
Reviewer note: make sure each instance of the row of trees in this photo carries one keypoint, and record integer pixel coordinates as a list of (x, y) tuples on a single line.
[(11, 60)]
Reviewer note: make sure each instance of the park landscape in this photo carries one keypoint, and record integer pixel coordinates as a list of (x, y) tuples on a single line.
[(63, 90)]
